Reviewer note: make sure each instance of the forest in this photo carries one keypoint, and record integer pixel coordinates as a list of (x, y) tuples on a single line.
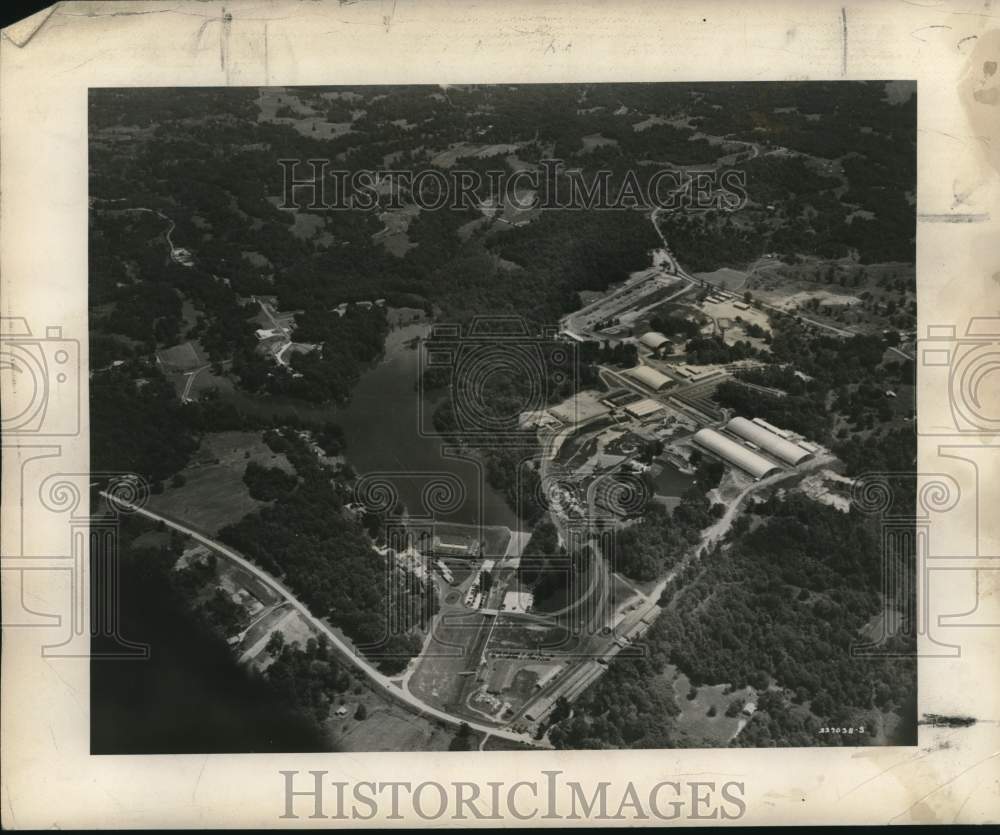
[(777, 606), (658, 541), (305, 538), (837, 398)]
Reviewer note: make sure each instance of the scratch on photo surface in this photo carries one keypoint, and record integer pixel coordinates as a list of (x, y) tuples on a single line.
[(945, 784), (914, 35), (958, 814), (70, 689), (227, 22), (937, 132), (201, 771), (937, 721), (10, 806), (843, 39), (977, 217), (909, 760)]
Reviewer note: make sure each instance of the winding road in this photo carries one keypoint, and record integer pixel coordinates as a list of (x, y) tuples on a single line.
[(392, 689)]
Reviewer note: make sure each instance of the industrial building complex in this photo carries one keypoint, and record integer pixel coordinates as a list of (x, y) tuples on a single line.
[(768, 440), (734, 453)]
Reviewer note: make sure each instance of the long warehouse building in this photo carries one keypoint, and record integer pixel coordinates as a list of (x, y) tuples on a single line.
[(649, 377), (780, 448), (735, 453), (654, 340)]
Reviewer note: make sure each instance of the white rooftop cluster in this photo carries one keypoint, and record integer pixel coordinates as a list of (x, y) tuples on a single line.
[(734, 453), (760, 436), (769, 441)]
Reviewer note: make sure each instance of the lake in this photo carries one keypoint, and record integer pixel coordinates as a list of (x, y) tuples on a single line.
[(382, 430), (382, 433)]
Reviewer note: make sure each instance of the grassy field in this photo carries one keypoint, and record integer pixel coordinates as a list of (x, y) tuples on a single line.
[(387, 728), (787, 286), (519, 636), (454, 649), (694, 720), (182, 358), (213, 494), (621, 591)]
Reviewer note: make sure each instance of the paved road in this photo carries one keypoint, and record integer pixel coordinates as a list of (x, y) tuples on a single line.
[(379, 680), (649, 606)]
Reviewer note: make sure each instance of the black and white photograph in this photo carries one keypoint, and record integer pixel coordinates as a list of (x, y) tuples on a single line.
[(552, 414), (504, 417)]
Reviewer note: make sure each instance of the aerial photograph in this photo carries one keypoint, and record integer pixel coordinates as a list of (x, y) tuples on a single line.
[(503, 417)]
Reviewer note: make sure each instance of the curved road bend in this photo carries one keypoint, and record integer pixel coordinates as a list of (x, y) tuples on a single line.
[(380, 680)]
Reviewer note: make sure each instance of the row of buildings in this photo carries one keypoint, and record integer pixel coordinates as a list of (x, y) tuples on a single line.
[(754, 446)]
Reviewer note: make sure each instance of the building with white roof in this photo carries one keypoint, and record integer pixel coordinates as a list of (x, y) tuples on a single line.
[(643, 408), (768, 441), (654, 340), (649, 377), (734, 453)]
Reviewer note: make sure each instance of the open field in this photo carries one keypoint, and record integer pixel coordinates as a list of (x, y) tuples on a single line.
[(305, 119), (825, 297), (214, 494), (393, 235), (388, 727), (694, 720), (448, 666), (725, 278), (848, 295), (181, 358), (283, 619), (529, 638)]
